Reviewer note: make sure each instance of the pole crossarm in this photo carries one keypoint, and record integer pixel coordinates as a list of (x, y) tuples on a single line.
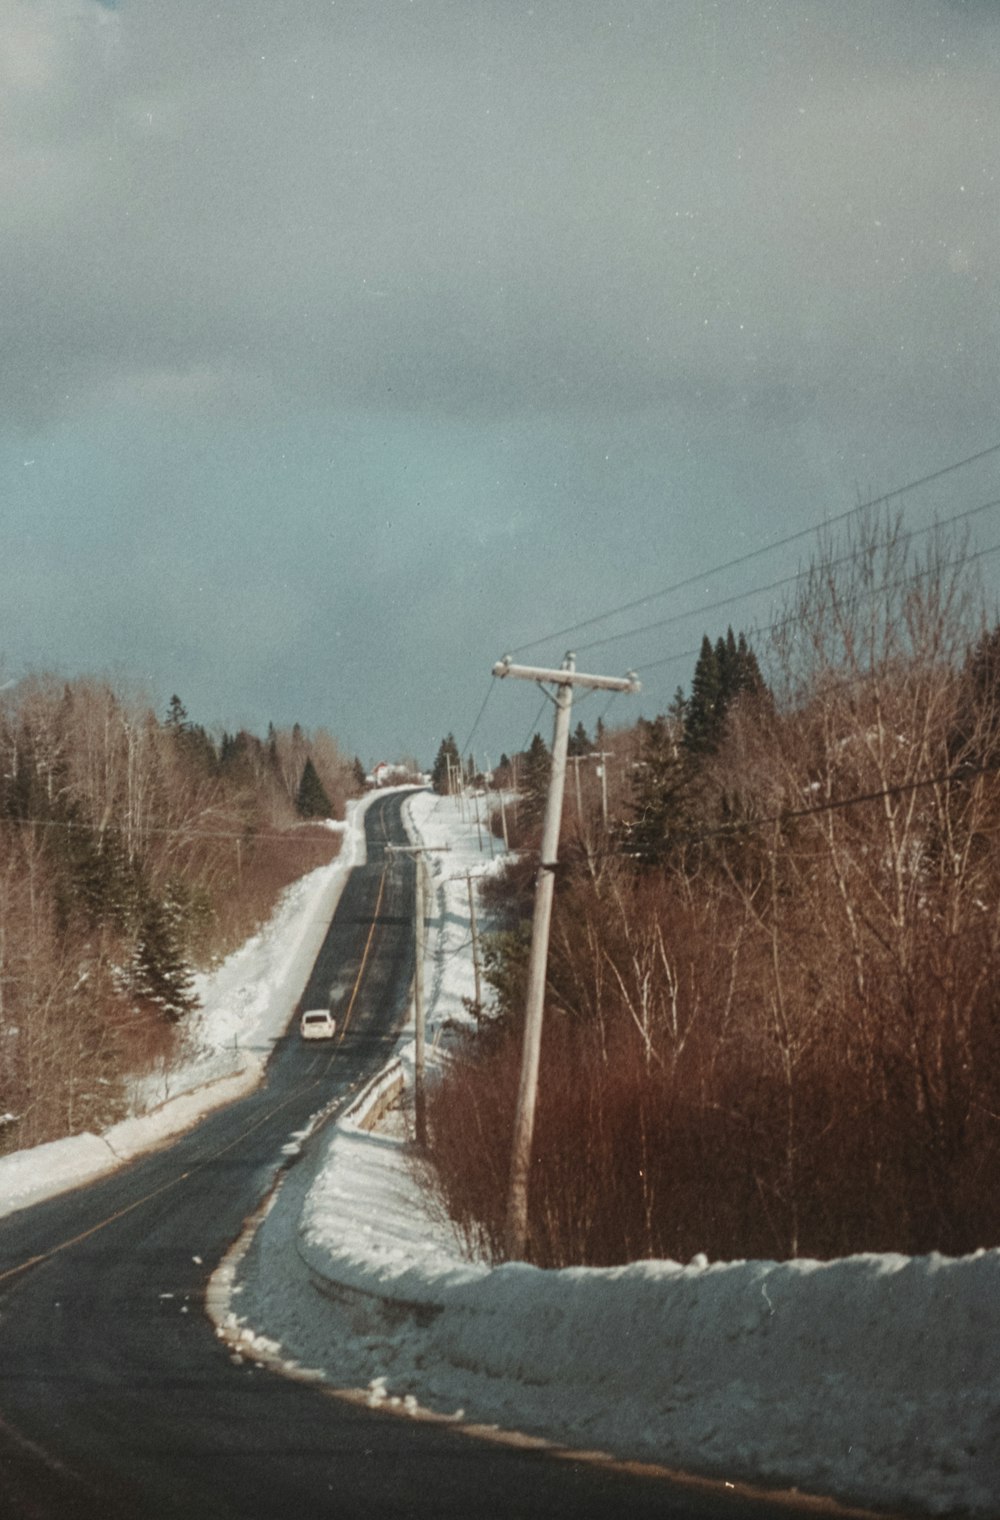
[(417, 849), (567, 677)]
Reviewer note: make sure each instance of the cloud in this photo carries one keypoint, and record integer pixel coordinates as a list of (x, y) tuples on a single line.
[(532, 284), (434, 207)]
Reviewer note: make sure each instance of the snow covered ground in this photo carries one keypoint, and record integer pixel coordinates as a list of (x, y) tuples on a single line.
[(876, 1378), (246, 1003)]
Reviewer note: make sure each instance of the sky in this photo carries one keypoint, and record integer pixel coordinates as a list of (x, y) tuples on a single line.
[(349, 345)]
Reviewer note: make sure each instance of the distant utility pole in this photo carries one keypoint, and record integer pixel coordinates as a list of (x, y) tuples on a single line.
[(469, 877), (503, 810), (564, 680), (418, 851), (602, 756)]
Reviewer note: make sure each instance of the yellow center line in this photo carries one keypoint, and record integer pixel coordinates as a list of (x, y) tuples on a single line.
[(64, 1245), (364, 958)]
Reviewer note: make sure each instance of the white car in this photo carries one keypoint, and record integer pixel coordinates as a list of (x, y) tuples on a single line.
[(318, 1024)]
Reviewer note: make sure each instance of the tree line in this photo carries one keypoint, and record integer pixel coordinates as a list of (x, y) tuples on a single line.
[(133, 849), (772, 1019)]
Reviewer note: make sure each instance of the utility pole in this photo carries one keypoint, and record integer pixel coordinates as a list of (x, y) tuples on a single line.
[(524, 1120), (419, 1020), (475, 945), (469, 877), (602, 756), (418, 851), (579, 800), (503, 810)]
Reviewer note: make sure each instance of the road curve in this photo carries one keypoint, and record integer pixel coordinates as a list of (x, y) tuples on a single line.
[(118, 1401)]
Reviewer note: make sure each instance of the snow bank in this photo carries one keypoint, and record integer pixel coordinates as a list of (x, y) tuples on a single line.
[(246, 1003), (875, 1378), (31, 1176)]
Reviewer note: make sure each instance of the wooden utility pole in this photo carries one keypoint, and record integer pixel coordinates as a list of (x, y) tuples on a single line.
[(419, 1021), (602, 756), (475, 945), (469, 877), (579, 800), (418, 851), (564, 680), (503, 810)]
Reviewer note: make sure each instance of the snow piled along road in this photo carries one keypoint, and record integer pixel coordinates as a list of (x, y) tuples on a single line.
[(875, 1378)]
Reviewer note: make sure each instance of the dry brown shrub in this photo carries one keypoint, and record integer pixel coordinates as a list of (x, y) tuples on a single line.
[(786, 1041)]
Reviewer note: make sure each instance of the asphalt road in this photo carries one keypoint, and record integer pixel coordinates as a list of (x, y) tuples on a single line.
[(118, 1401)]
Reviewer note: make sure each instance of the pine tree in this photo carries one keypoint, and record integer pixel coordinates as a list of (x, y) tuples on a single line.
[(161, 974), (579, 743), (536, 764), (177, 716), (661, 789), (447, 764), (311, 800), (724, 672), (704, 709)]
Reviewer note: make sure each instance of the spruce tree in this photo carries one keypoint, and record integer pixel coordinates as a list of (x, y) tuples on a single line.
[(579, 742), (311, 800), (536, 764), (661, 791), (447, 764), (724, 672), (161, 974), (704, 709)]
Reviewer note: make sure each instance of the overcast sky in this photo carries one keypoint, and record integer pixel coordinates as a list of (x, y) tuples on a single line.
[(345, 344)]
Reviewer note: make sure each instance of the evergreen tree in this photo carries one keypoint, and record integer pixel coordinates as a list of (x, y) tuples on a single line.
[(661, 792), (311, 800), (705, 709), (358, 773), (536, 764), (976, 739), (161, 974), (579, 743), (177, 716), (724, 671), (447, 765)]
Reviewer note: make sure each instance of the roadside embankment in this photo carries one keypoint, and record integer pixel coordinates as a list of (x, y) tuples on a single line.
[(873, 1378), (245, 1005)]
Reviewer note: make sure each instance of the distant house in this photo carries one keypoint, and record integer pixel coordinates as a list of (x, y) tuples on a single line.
[(385, 774)]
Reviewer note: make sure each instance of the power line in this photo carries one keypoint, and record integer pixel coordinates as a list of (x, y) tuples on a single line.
[(745, 559), (260, 836), (901, 789), (479, 716), (737, 827), (789, 580), (534, 727), (755, 631)]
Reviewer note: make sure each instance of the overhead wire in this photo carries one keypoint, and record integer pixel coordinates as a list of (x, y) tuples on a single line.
[(758, 630), (479, 718), (900, 789), (790, 580), (764, 549), (253, 836)]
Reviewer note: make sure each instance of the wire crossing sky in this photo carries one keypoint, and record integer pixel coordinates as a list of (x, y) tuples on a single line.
[(348, 346)]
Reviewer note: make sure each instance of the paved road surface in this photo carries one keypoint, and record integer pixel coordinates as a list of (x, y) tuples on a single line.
[(118, 1401)]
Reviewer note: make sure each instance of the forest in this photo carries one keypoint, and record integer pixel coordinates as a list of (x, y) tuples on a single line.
[(772, 1023), (134, 849)]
